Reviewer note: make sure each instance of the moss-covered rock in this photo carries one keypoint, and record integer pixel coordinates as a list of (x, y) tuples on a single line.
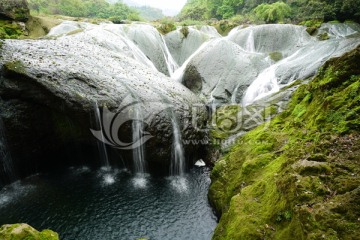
[(312, 25), (10, 29), (14, 9), (224, 26), (297, 176), (165, 28), (22, 231)]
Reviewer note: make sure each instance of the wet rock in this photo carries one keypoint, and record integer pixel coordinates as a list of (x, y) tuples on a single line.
[(22, 231), (183, 46), (15, 10), (283, 38), (48, 90), (217, 78)]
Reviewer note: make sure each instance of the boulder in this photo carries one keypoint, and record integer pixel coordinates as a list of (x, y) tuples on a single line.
[(17, 10), (220, 69), (141, 41), (269, 38), (183, 42), (22, 231), (49, 89)]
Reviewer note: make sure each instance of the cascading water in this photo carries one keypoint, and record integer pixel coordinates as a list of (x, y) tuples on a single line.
[(138, 152), (179, 73), (250, 43), (265, 84), (101, 144), (107, 175), (5, 156), (178, 155), (170, 62)]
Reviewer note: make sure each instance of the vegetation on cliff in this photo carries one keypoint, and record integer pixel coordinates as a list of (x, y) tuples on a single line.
[(276, 11), (297, 176), (84, 8)]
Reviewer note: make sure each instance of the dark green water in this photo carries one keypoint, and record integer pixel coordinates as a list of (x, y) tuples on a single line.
[(82, 204)]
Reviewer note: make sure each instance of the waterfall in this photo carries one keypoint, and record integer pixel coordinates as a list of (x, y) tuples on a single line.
[(265, 84), (101, 144), (137, 135), (5, 156), (170, 62), (250, 43), (179, 73), (178, 155)]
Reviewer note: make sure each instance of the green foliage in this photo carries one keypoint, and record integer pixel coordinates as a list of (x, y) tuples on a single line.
[(149, 13), (272, 13), (84, 8), (295, 176), (9, 30), (194, 10), (185, 31), (166, 25)]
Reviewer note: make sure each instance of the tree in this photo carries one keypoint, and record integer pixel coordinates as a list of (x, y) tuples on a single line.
[(272, 13)]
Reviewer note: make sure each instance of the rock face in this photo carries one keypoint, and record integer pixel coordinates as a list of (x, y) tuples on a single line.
[(296, 176), (49, 88), (183, 42), (22, 231), (216, 78), (284, 38), (300, 65), (141, 41), (152, 44), (14, 9), (254, 62)]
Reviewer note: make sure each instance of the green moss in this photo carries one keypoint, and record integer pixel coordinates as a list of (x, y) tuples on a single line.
[(226, 121), (296, 176), (165, 28), (312, 25), (185, 31), (323, 36), (224, 26), (25, 232), (276, 56), (14, 67), (10, 30)]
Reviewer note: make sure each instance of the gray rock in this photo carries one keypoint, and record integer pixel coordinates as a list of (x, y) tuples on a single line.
[(339, 30), (48, 89), (217, 78), (141, 41), (14, 9), (269, 38), (182, 47), (152, 44)]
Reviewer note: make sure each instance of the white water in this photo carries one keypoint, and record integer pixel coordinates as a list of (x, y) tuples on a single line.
[(178, 155), (250, 43), (137, 135), (265, 84), (101, 144), (170, 62)]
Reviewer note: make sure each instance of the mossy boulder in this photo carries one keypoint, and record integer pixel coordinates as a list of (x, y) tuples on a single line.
[(15, 10), (22, 231), (10, 29), (297, 176)]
